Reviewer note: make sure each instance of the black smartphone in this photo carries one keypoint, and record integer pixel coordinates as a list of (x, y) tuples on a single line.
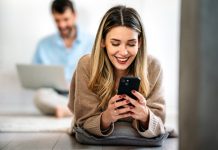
[(127, 84)]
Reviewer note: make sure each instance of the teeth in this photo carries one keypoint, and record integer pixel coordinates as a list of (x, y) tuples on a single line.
[(122, 59)]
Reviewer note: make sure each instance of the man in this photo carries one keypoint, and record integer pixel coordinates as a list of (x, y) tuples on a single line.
[(64, 48)]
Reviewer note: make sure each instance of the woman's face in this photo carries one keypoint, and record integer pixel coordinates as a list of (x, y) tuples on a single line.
[(122, 45)]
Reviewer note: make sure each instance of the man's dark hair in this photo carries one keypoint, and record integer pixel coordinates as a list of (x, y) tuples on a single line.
[(59, 6)]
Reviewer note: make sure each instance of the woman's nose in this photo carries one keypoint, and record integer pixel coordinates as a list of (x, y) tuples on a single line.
[(123, 51)]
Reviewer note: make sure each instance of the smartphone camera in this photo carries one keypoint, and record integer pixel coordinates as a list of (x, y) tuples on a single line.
[(123, 80)]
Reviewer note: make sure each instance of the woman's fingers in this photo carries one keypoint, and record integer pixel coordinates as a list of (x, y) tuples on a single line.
[(115, 98), (139, 96), (117, 101), (138, 102), (124, 115), (131, 100), (138, 110), (121, 103), (122, 110), (119, 106), (120, 113)]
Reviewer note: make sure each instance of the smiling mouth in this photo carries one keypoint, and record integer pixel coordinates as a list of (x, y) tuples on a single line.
[(122, 60)]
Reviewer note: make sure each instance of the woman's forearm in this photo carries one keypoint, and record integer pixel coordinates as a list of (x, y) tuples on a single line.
[(105, 121)]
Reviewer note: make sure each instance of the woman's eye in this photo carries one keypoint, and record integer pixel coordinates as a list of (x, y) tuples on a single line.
[(131, 45), (115, 44)]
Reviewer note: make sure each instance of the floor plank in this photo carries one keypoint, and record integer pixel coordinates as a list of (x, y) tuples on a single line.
[(63, 141), (33, 141), (169, 144), (5, 139), (67, 142)]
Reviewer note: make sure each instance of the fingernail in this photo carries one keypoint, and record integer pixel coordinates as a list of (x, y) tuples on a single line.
[(133, 91), (120, 96), (127, 101), (124, 95)]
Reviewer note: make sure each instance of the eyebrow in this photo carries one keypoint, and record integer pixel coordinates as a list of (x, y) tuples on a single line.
[(131, 40)]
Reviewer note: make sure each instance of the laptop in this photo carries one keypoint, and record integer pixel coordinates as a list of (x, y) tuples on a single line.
[(38, 76)]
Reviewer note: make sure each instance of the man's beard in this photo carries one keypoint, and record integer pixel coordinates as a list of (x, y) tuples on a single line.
[(66, 33)]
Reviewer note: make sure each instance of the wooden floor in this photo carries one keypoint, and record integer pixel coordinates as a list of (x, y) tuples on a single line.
[(62, 141), (15, 100)]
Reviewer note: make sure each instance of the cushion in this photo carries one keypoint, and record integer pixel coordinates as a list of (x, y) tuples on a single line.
[(123, 134)]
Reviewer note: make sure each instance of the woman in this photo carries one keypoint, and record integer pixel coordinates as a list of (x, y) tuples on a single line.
[(119, 50)]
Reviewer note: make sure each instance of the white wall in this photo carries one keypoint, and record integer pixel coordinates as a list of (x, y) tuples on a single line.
[(24, 22)]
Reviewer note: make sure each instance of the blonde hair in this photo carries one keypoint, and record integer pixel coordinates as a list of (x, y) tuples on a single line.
[(102, 78)]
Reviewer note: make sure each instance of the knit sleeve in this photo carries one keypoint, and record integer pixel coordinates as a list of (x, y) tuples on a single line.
[(155, 102), (83, 102)]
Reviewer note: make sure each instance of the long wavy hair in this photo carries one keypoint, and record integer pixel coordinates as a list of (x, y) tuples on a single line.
[(102, 79)]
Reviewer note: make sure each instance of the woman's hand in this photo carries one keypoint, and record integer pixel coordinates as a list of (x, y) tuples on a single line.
[(113, 113), (139, 110)]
